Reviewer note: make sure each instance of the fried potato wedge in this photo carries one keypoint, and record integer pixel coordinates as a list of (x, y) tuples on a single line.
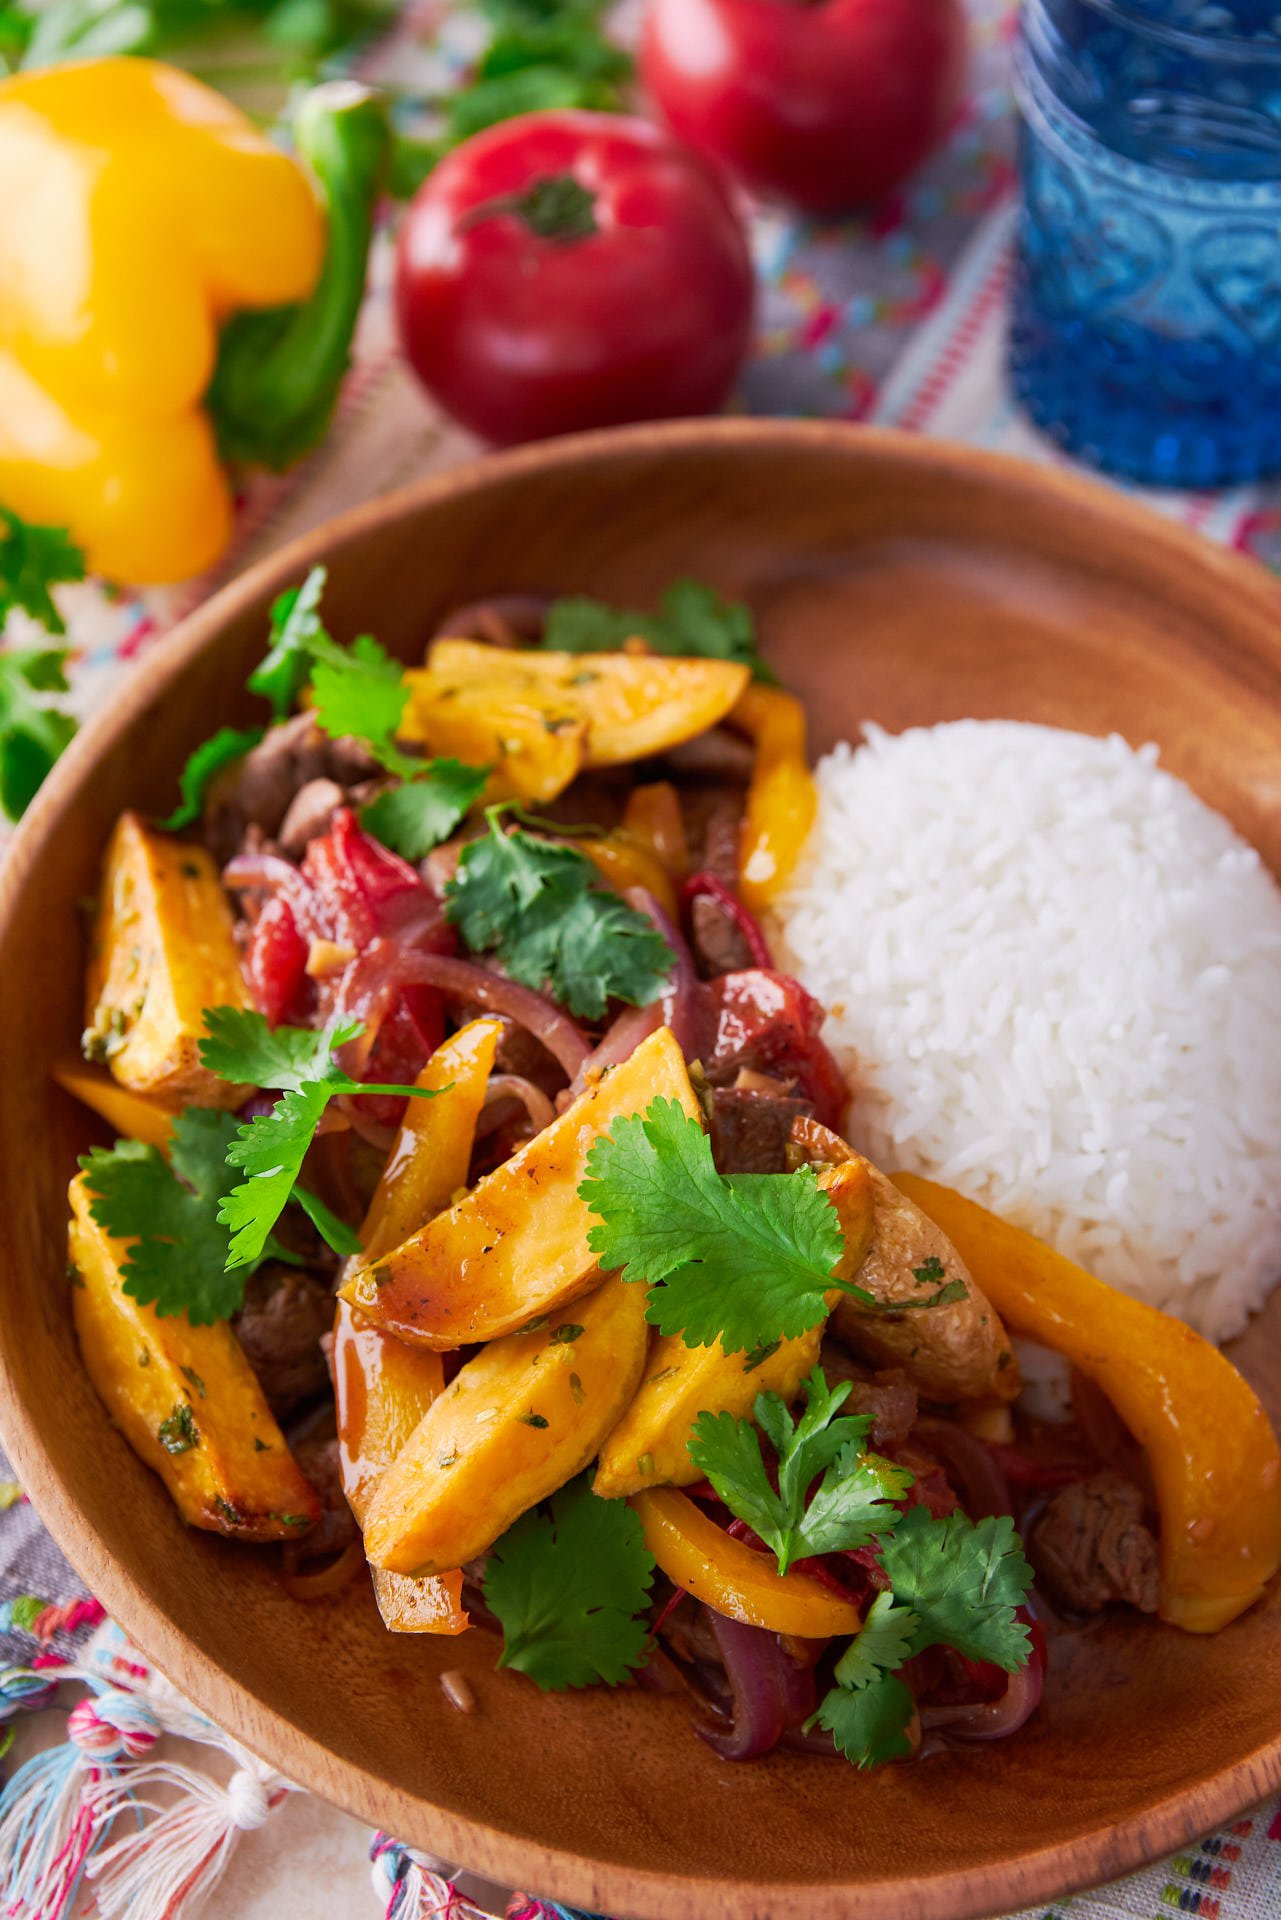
[(534, 743), (185, 1398), (516, 1246), (516, 1422), (135, 1116), (160, 953), (650, 1445)]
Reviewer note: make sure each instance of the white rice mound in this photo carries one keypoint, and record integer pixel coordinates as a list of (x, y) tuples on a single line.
[(1053, 978)]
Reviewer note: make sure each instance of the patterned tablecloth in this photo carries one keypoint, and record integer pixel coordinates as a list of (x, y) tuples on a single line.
[(897, 319)]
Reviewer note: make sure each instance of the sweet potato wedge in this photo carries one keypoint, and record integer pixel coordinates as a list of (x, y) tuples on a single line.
[(516, 1422), (185, 1398), (161, 952), (516, 1246)]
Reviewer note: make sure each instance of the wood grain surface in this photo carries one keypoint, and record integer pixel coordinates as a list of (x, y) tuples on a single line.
[(896, 580)]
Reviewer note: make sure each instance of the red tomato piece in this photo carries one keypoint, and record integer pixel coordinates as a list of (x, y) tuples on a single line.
[(766, 1020), (368, 889), (276, 963), (570, 270), (828, 105)]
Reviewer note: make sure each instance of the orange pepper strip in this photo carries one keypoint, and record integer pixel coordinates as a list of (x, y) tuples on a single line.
[(732, 1578), (624, 862), (782, 799), (1214, 1456), (653, 816), (135, 1116), (382, 1388)]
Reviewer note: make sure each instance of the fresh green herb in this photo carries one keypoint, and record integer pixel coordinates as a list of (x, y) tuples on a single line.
[(532, 1419), (929, 1273), (178, 1433), (759, 1355), (566, 1334), (869, 1723), (32, 560), (193, 1378), (415, 817), (231, 1515), (536, 905), (570, 1586), (220, 750), (295, 629), (169, 1211), (743, 1258), (851, 1502), (335, 1232), (33, 731), (693, 621), (360, 690), (882, 1644), (270, 1149)]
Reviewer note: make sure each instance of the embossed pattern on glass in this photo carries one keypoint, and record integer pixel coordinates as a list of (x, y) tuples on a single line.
[(1146, 326)]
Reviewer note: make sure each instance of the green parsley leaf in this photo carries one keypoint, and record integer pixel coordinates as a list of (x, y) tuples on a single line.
[(743, 1258), (570, 1587), (881, 1645), (295, 626), (963, 1579), (220, 750), (850, 1504), (169, 1210), (415, 817), (869, 1724), (536, 903), (33, 732), (33, 559), (693, 622)]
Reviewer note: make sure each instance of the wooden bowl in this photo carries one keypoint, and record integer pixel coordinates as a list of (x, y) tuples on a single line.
[(895, 579)]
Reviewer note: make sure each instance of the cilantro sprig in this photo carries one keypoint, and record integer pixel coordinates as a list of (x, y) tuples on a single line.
[(855, 1489), (270, 1149), (221, 749), (34, 558), (693, 621), (570, 1586), (34, 729), (537, 906), (416, 816)]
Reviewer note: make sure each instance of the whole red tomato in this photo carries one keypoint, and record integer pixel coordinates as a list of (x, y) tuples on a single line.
[(826, 104), (567, 270)]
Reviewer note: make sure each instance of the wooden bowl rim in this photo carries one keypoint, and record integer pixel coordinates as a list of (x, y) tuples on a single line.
[(963, 1894)]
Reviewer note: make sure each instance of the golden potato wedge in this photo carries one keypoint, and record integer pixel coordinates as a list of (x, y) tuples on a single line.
[(161, 952), (534, 743), (634, 704), (516, 1246), (185, 1398), (382, 1389), (135, 1116), (516, 1422)]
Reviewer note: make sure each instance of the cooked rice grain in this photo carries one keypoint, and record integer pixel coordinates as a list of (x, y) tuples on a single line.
[(1054, 980)]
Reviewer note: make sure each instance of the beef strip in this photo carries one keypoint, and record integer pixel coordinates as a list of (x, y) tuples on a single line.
[(1091, 1546), (887, 1395), (717, 754), (308, 816), (718, 942), (317, 1458), (750, 1128), (285, 1313), (258, 790)]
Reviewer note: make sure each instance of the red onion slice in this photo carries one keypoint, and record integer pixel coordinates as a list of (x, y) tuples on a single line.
[(464, 980), (993, 1719), (771, 1692), (969, 1466), (710, 886), (678, 1004)]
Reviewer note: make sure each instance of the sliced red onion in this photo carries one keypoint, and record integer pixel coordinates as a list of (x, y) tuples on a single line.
[(679, 1002), (499, 621), (969, 1465), (503, 1089), (269, 873), (771, 1692), (618, 1044), (465, 980), (993, 1719), (709, 886)]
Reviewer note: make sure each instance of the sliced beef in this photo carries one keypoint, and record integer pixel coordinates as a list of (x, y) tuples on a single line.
[(309, 814), (887, 1395), (317, 1457), (717, 754), (1091, 1546), (258, 790), (715, 849), (750, 1128), (285, 1313), (719, 944)]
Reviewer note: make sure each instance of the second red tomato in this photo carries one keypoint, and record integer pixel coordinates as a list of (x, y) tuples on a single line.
[(572, 270), (826, 104)]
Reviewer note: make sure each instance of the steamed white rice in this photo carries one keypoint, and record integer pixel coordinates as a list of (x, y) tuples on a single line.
[(1054, 979)]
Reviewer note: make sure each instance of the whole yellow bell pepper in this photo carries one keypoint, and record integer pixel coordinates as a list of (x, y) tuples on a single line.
[(142, 212), (782, 799), (1214, 1457)]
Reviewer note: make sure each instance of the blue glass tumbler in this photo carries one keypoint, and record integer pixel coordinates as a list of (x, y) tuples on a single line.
[(1146, 326)]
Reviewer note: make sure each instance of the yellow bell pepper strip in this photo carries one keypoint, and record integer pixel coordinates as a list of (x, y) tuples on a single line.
[(623, 862), (143, 212), (781, 800), (732, 1578), (1214, 1456), (653, 816), (148, 1117)]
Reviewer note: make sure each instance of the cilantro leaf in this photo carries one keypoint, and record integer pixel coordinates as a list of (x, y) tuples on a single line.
[(870, 1723), (536, 903), (851, 1502), (32, 559), (33, 732), (334, 1231), (963, 1579), (570, 1588), (270, 1149), (169, 1211), (239, 1045), (741, 1258), (220, 750), (693, 621), (415, 817), (295, 625), (881, 1645), (361, 690)]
